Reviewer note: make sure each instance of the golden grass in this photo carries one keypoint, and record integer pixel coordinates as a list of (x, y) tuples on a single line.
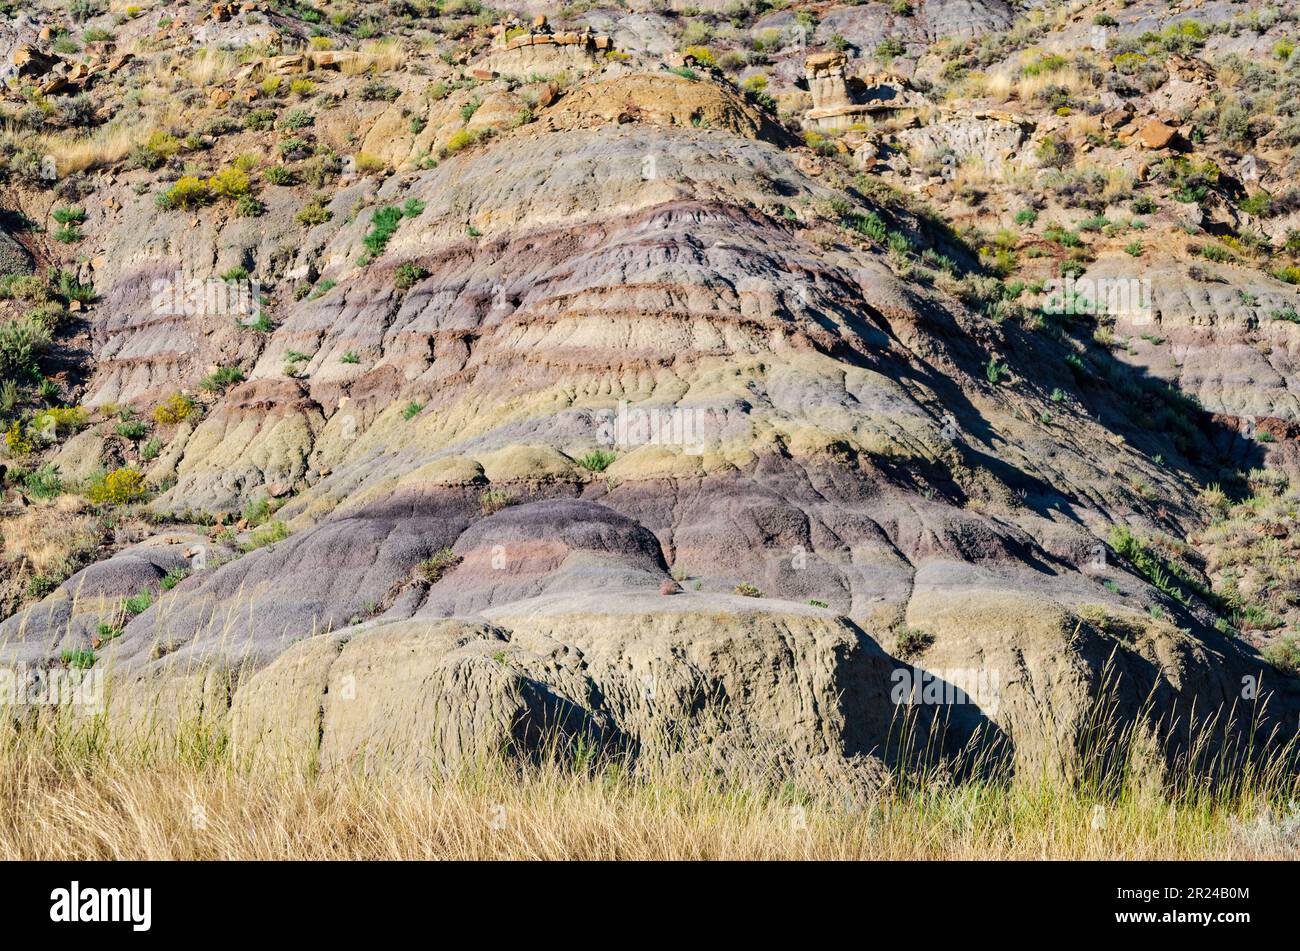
[(209, 65), (76, 790), (378, 56), (49, 535), (1029, 87), (106, 145), (999, 86)]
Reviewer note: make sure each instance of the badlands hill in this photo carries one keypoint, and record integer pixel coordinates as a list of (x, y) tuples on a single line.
[(406, 378)]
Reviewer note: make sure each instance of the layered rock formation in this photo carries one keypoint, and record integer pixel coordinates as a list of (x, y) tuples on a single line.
[(643, 414)]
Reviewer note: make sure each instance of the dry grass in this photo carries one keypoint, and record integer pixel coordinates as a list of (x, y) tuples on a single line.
[(76, 791), (1029, 88), (211, 65), (50, 534), (108, 144), (379, 55)]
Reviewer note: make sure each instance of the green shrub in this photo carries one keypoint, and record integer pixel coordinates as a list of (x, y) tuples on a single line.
[(78, 659), (888, 48), (598, 460), (494, 500), (278, 174), (383, 224), (269, 534), (260, 120), (22, 341), (138, 604), (297, 119), (314, 213), (72, 289), (69, 215), (408, 275), (438, 564), (377, 90), (220, 378), (1284, 654), (913, 643), (44, 483)]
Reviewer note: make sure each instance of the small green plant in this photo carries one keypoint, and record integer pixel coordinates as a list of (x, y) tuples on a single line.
[(39, 585), (297, 119), (350, 357), (408, 275), (995, 372), (175, 577), (438, 564), (494, 500), (324, 287), (132, 429), (44, 483), (1284, 654), (269, 534), (913, 642), (598, 460), (411, 410), (221, 378), (747, 590), (889, 48), (378, 91), (383, 225), (78, 659), (262, 322), (138, 604), (278, 175), (314, 213)]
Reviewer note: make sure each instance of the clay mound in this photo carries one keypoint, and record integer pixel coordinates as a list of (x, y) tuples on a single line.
[(793, 682), (558, 544), (325, 578), (664, 99), (71, 614)]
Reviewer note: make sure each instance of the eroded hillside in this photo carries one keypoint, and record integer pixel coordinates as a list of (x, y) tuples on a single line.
[(377, 366)]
